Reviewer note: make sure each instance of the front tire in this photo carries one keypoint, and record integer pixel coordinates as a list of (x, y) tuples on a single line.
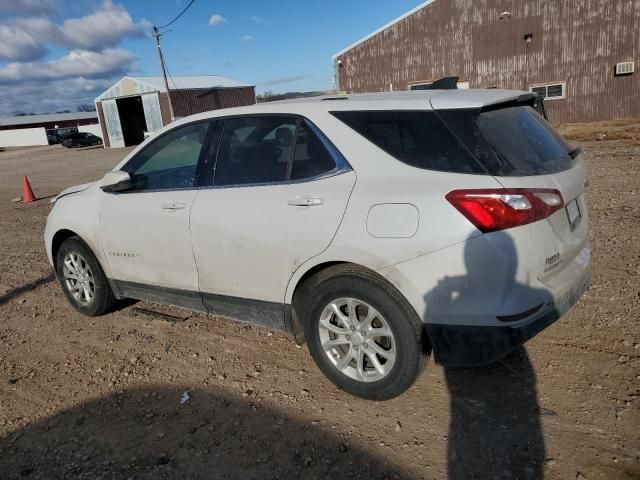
[(82, 278), (363, 334)]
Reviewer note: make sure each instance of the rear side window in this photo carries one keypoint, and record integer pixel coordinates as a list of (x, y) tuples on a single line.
[(311, 158), (508, 141), (255, 150), (270, 149), (418, 138)]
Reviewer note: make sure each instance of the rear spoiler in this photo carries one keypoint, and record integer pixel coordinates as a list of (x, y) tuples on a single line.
[(534, 100), (445, 83), (485, 99)]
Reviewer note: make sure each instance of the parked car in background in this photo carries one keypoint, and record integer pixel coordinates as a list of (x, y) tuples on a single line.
[(81, 139), (53, 138), (378, 228)]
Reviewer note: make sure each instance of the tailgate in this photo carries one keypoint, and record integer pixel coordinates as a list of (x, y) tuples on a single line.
[(520, 149), (560, 241)]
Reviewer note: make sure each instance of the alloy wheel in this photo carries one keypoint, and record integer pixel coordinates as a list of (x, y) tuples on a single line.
[(78, 278), (357, 339)]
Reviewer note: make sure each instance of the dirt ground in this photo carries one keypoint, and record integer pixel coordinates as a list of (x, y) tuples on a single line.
[(101, 397), (623, 129)]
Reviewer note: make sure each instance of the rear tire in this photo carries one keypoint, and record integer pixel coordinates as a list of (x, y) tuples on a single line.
[(82, 278), (380, 354)]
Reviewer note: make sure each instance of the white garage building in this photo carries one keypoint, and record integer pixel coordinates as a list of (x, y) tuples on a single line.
[(135, 105)]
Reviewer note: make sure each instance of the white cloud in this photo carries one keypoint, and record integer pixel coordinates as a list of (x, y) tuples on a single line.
[(59, 95), (247, 38), (92, 62), (216, 20), (16, 44), (260, 20), (105, 27), (77, 63), (28, 7)]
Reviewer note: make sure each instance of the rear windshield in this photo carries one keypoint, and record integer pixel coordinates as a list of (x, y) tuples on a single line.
[(510, 141), (524, 142)]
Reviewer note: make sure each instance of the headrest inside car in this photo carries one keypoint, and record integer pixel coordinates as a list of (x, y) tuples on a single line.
[(284, 137)]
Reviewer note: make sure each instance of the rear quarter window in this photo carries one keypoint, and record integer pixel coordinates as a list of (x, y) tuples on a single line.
[(418, 138), (511, 140)]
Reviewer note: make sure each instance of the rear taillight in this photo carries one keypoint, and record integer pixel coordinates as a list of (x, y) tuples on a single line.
[(497, 209)]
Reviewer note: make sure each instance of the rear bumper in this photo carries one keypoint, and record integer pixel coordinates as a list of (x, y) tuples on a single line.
[(470, 345)]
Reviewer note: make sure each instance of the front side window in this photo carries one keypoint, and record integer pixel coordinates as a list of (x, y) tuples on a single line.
[(169, 162), (269, 149)]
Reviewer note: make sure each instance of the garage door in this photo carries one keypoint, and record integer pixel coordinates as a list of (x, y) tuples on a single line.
[(112, 122)]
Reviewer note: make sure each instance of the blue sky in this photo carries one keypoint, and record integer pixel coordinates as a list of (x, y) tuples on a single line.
[(55, 55), (289, 38)]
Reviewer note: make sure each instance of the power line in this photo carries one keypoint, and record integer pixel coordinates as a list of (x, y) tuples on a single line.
[(156, 35), (179, 15), (185, 98)]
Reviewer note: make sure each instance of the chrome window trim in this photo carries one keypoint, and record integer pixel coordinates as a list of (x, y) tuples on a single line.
[(331, 173), (322, 176)]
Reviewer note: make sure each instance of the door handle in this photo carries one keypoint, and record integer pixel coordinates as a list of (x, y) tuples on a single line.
[(305, 201), (173, 206)]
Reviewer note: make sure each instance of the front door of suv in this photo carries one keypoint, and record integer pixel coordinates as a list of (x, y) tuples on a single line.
[(280, 189), (145, 230)]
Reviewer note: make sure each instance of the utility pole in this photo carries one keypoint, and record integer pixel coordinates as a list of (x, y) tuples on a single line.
[(156, 35)]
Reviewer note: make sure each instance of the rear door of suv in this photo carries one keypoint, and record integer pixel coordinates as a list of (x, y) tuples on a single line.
[(521, 150), (560, 239), (278, 192)]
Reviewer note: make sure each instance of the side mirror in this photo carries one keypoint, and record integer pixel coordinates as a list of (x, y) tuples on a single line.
[(116, 181)]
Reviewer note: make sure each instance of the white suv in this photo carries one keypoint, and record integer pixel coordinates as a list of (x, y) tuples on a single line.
[(378, 228)]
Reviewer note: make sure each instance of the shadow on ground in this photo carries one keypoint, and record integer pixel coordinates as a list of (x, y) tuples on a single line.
[(149, 434), (495, 430), (17, 291)]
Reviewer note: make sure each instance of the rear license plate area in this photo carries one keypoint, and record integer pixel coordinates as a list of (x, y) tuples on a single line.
[(573, 214)]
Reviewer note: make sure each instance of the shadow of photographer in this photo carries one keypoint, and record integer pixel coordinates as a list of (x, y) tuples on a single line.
[(495, 430)]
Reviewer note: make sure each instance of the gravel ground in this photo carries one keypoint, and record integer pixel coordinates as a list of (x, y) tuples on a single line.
[(101, 397)]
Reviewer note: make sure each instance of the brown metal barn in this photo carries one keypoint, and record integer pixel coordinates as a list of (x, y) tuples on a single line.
[(579, 54), (135, 105)]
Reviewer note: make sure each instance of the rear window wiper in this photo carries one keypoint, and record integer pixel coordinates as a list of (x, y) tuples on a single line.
[(575, 152)]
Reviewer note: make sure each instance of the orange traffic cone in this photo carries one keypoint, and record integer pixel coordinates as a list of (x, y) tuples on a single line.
[(27, 192)]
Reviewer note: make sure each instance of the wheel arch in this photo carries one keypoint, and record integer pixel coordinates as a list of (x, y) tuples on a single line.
[(56, 241), (316, 274), (295, 297), (65, 233)]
